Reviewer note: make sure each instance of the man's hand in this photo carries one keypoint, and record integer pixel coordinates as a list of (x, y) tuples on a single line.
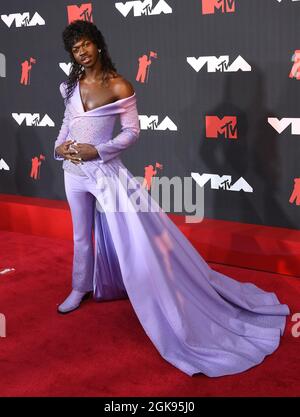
[(65, 152), (85, 151)]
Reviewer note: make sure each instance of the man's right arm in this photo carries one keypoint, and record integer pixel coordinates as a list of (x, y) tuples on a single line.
[(64, 130)]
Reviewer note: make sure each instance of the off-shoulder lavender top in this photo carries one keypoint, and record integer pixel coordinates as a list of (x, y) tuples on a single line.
[(96, 128)]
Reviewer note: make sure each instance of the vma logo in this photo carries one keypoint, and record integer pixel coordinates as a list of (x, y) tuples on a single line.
[(282, 124), (22, 19), (33, 119), (224, 6), (220, 64), (82, 12), (3, 165), (223, 182), (151, 123), (143, 8), (66, 67), (226, 127)]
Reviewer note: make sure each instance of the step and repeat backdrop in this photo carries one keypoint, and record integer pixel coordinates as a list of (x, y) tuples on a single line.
[(217, 85)]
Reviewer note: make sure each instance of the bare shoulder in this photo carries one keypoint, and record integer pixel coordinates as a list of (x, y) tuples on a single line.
[(121, 88)]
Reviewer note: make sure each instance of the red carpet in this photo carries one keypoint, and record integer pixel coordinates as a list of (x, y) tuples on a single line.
[(101, 349), (264, 248)]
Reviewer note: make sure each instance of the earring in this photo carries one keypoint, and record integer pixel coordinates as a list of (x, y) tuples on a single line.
[(99, 50)]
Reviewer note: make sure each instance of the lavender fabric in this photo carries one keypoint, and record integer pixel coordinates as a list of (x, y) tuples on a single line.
[(200, 320)]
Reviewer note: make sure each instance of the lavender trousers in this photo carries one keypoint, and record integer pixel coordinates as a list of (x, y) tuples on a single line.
[(80, 192), (95, 262)]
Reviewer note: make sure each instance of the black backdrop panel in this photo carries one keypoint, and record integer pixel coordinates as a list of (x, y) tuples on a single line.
[(195, 97)]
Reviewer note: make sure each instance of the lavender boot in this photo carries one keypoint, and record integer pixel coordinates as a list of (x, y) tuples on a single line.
[(73, 301)]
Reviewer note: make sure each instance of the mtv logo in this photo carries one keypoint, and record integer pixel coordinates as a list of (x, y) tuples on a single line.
[(82, 12), (210, 6), (227, 126)]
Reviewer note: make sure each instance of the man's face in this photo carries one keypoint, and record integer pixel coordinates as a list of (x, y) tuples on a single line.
[(85, 52)]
